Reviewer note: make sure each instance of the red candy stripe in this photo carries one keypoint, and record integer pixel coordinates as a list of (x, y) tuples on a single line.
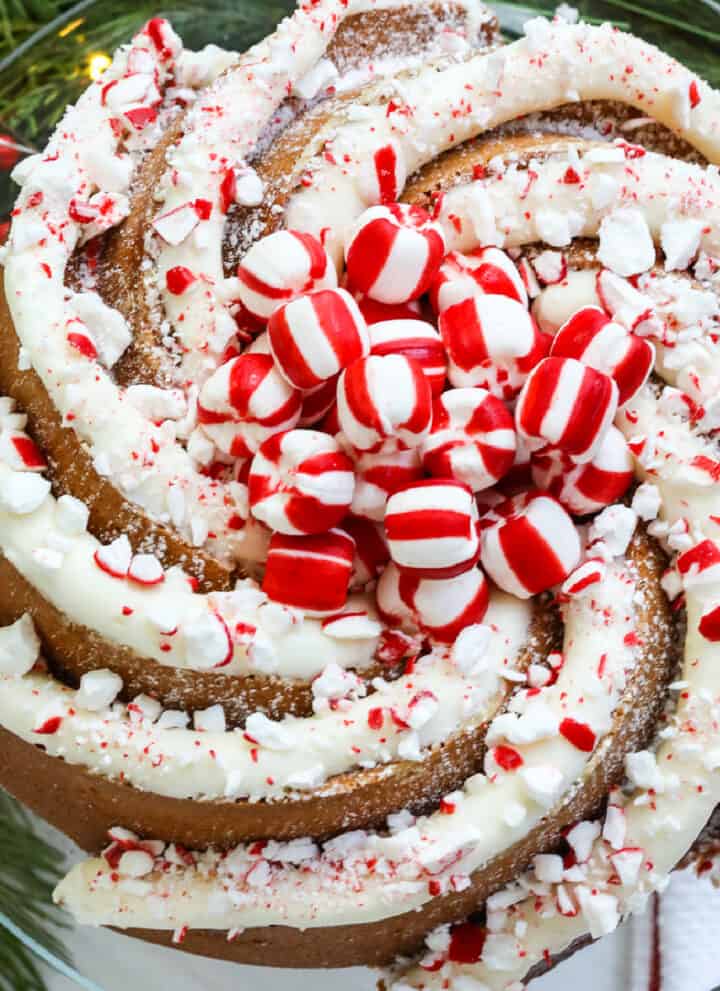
[(310, 573), (488, 271), (588, 487)]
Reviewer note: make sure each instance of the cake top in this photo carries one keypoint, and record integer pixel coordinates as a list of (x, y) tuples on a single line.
[(420, 406)]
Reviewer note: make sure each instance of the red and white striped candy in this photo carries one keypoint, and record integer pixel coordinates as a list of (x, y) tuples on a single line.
[(394, 252), (486, 271), (280, 266), (310, 573), (492, 342), (431, 528), (472, 438), (593, 338), (416, 339), (375, 312), (529, 545), (591, 486), (316, 335), (378, 476), (371, 549), (442, 608), (384, 403), (568, 405), (317, 402), (244, 402), (300, 482)]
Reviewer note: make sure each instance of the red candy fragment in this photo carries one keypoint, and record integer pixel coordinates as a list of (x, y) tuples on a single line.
[(579, 734), (709, 626), (507, 758), (467, 941)]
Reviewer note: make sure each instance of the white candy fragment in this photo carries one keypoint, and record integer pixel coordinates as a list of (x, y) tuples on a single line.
[(71, 515), (115, 558), (19, 647), (680, 240), (627, 864), (21, 493), (626, 245), (615, 527), (268, 733), (207, 642), (249, 188), (98, 690), (173, 719), (136, 863), (177, 225), (210, 720), (470, 648), (643, 771), (647, 501), (157, 404), (354, 626), (108, 327), (600, 911), (581, 839), (614, 827), (548, 868), (319, 77), (543, 783)]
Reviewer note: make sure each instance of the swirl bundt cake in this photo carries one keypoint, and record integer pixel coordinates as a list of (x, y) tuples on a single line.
[(359, 483)]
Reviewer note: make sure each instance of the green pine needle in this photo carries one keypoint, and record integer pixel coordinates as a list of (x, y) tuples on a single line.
[(29, 870), (21, 18)]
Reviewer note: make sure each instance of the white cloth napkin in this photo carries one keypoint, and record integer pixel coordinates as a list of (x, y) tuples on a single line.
[(675, 945)]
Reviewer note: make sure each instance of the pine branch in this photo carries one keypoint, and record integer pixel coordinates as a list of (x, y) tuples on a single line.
[(21, 18), (29, 870)]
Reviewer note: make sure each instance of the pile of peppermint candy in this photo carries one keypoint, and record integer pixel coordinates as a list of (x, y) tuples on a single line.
[(416, 421)]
